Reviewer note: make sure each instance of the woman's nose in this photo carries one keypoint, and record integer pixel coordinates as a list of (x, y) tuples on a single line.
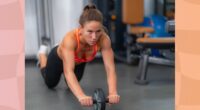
[(94, 35)]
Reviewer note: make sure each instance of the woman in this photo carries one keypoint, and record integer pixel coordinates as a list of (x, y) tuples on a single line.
[(78, 47)]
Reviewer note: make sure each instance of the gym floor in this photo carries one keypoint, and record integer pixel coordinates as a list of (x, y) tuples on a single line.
[(157, 95)]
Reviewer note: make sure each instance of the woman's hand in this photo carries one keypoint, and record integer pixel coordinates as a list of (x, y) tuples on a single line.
[(113, 98), (86, 101)]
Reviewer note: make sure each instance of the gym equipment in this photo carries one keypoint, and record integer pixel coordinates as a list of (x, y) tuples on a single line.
[(159, 24), (99, 99), (170, 26), (157, 43), (132, 15), (145, 59)]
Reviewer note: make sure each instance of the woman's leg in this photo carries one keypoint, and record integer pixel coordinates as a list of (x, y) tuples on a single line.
[(43, 52), (42, 56), (42, 60), (51, 68), (79, 70)]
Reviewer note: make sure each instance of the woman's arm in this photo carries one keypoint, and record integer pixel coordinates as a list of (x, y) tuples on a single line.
[(67, 48), (108, 58)]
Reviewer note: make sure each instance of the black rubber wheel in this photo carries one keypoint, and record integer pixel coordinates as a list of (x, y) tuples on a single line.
[(100, 100)]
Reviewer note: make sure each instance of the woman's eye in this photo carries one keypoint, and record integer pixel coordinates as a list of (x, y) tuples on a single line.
[(98, 31)]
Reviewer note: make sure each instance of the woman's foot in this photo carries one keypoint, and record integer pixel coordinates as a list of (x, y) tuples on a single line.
[(42, 55)]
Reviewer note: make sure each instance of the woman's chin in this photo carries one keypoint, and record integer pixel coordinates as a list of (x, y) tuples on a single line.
[(92, 43)]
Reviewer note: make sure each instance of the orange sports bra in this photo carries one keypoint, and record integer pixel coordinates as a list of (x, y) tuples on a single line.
[(83, 59)]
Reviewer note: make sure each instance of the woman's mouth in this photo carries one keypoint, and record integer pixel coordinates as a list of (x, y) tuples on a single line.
[(93, 42)]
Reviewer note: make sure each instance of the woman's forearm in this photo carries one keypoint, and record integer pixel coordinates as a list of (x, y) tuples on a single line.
[(112, 83), (74, 85)]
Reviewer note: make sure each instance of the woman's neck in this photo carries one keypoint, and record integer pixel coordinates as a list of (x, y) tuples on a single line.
[(83, 42)]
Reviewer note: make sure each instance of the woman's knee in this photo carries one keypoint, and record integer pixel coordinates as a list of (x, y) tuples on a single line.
[(79, 77), (51, 83), (79, 71)]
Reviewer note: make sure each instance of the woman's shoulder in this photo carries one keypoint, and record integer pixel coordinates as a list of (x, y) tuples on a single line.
[(71, 33), (69, 38), (104, 38)]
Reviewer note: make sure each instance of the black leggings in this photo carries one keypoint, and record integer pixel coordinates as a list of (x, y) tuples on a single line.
[(54, 68)]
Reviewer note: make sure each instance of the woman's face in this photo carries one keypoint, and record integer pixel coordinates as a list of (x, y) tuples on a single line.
[(91, 32)]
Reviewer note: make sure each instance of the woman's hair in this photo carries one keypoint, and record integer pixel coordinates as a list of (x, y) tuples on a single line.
[(90, 13)]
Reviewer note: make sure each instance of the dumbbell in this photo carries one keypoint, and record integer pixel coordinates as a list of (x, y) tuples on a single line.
[(99, 99)]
